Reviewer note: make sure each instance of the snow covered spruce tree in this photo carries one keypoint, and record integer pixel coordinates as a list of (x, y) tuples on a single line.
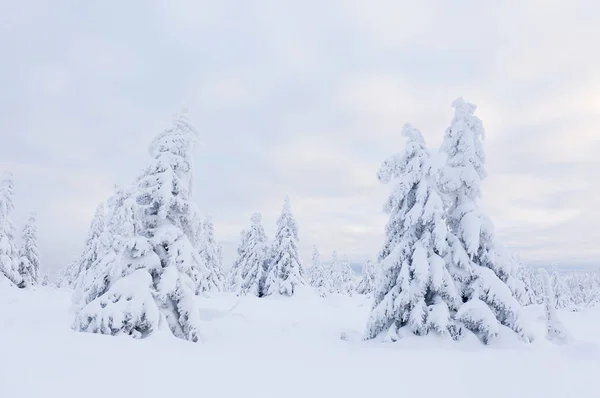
[(154, 285), (367, 281), (481, 276), (92, 249), (319, 276), (9, 271), (233, 280), (554, 328), (341, 276), (252, 259), (213, 279), (285, 275), (29, 255), (120, 227), (414, 289)]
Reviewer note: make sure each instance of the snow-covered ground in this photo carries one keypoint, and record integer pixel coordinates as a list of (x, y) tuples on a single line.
[(282, 347)]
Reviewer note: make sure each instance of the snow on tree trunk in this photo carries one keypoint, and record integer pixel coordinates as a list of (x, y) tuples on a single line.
[(414, 288), (475, 259), (367, 281), (8, 250), (252, 259), (555, 330), (213, 279), (153, 283), (29, 256), (285, 275)]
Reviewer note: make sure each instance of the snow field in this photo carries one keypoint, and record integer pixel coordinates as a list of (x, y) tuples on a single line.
[(283, 347)]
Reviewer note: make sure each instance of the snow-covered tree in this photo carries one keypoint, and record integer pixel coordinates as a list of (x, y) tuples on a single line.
[(213, 280), (233, 281), (367, 281), (120, 226), (45, 279), (252, 260), (285, 273), (561, 292), (155, 281), (319, 276), (29, 255), (8, 251), (554, 327), (93, 247), (414, 288), (488, 300), (341, 276)]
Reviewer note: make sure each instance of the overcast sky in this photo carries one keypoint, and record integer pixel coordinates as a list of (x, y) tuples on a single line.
[(304, 98)]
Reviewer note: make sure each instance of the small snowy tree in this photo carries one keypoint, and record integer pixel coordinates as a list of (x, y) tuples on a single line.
[(483, 280), (45, 279), (341, 276), (93, 248), (233, 281), (213, 280), (158, 274), (252, 259), (285, 273), (319, 276), (414, 288), (561, 293), (29, 255), (555, 330), (367, 281), (8, 250)]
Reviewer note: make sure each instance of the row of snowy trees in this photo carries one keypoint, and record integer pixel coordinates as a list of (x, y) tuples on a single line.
[(18, 267), (571, 290)]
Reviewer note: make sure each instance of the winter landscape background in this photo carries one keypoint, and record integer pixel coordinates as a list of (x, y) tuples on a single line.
[(293, 199)]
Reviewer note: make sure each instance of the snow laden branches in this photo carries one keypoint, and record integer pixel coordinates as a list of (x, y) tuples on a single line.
[(29, 255), (415, 288), (285, 274), (367, 281), (481, 272), (9, 268), (320, 279), (555, 330), (252, 260), (341, 276), (151, 270), (213, 279)]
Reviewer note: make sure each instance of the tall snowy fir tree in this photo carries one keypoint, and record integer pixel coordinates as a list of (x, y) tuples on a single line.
[(367, 280), (341, 276), (488, 300), (285, 275), (29, 255), (319, 276), (213, 280), (252, 259), (153, 286), (8, 251), (415, 289)]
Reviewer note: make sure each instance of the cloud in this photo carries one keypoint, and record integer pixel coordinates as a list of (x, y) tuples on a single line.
[(303, 98)]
